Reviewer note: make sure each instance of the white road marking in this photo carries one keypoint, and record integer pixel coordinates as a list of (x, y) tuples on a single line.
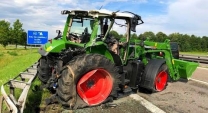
[(151, 107), (202, 68), (198, 81)]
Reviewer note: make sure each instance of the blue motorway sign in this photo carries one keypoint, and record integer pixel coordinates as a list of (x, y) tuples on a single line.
[(37, 37)]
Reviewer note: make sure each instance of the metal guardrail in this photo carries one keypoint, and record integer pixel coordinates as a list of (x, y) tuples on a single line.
[(22, 81), (194, 58)]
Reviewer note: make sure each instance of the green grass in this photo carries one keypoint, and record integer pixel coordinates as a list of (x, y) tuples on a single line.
[(195, 53), (14, 61), (1, 54), (36, 98), (13, 53)]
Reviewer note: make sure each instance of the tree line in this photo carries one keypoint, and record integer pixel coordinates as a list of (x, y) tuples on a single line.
[(187, 43), (12, 34)]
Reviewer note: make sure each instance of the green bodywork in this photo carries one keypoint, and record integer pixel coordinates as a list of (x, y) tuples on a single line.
[(177, 68)]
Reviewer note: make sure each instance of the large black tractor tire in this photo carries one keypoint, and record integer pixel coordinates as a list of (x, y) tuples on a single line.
[(44, 71), (155, 76), (74, 79)]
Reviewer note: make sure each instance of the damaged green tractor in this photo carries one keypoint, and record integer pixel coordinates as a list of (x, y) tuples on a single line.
[(86, 66)]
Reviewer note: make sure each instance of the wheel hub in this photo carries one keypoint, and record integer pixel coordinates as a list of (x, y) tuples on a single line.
[(161, 80), (95, 86), (90, 83)]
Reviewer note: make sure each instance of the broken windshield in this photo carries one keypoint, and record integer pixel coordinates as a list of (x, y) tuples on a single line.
[(81, 29), (80, 26)]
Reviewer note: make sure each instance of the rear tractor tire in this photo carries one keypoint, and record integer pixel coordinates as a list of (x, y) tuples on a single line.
[(87, 80)]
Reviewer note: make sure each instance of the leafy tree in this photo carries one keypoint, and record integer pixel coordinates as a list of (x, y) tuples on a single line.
[(160, 37), (121, 36), (205, 40), (23, 39), (186, 46), (17, 32), (195, 43), (140, 36), (4, 33), (150, 35), (203, 44), (134, 35), (174, 37), (114, 33)]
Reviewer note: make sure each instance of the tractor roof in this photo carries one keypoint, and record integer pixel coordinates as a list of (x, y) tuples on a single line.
[(101, 13)]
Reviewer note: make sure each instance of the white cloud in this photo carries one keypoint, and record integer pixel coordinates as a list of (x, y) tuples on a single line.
[(161, 2), (189, 16), (24, 2), (183, 16)]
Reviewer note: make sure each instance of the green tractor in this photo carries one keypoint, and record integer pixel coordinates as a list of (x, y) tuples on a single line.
[(86, 66)]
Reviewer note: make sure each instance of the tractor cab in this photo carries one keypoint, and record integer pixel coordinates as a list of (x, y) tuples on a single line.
[(92, 27), (102, 21)]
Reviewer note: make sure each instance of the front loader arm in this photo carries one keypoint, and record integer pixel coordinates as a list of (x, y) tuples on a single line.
[(177, 68), (164, 48)]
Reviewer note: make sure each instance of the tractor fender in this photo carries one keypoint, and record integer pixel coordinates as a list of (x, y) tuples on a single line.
[(150, 72), (101, 49), (54, 46)]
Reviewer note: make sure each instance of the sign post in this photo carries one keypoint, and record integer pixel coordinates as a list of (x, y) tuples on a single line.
[(37, 37)]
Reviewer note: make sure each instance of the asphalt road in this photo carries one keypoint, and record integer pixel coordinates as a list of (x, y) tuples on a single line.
[(201, 74)]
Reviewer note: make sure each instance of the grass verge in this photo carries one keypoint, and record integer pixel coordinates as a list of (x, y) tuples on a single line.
[(14, 61), (195, 53)]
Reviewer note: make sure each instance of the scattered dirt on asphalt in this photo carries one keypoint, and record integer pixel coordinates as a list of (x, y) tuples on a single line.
[(179, 97), (124, 105)]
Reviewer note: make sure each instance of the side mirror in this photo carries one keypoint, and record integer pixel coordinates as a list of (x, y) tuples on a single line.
[(135, 21), (65, 12), (59, 32)]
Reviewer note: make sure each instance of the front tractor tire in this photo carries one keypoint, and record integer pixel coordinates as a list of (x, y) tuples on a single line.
[(87, 80), (155, 76), (44, 71)]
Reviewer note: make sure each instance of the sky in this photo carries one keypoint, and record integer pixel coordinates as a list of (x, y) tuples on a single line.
[(168, 16)]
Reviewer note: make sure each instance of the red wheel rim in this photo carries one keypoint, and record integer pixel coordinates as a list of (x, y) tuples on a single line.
[(161, 80), (95, 86)]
